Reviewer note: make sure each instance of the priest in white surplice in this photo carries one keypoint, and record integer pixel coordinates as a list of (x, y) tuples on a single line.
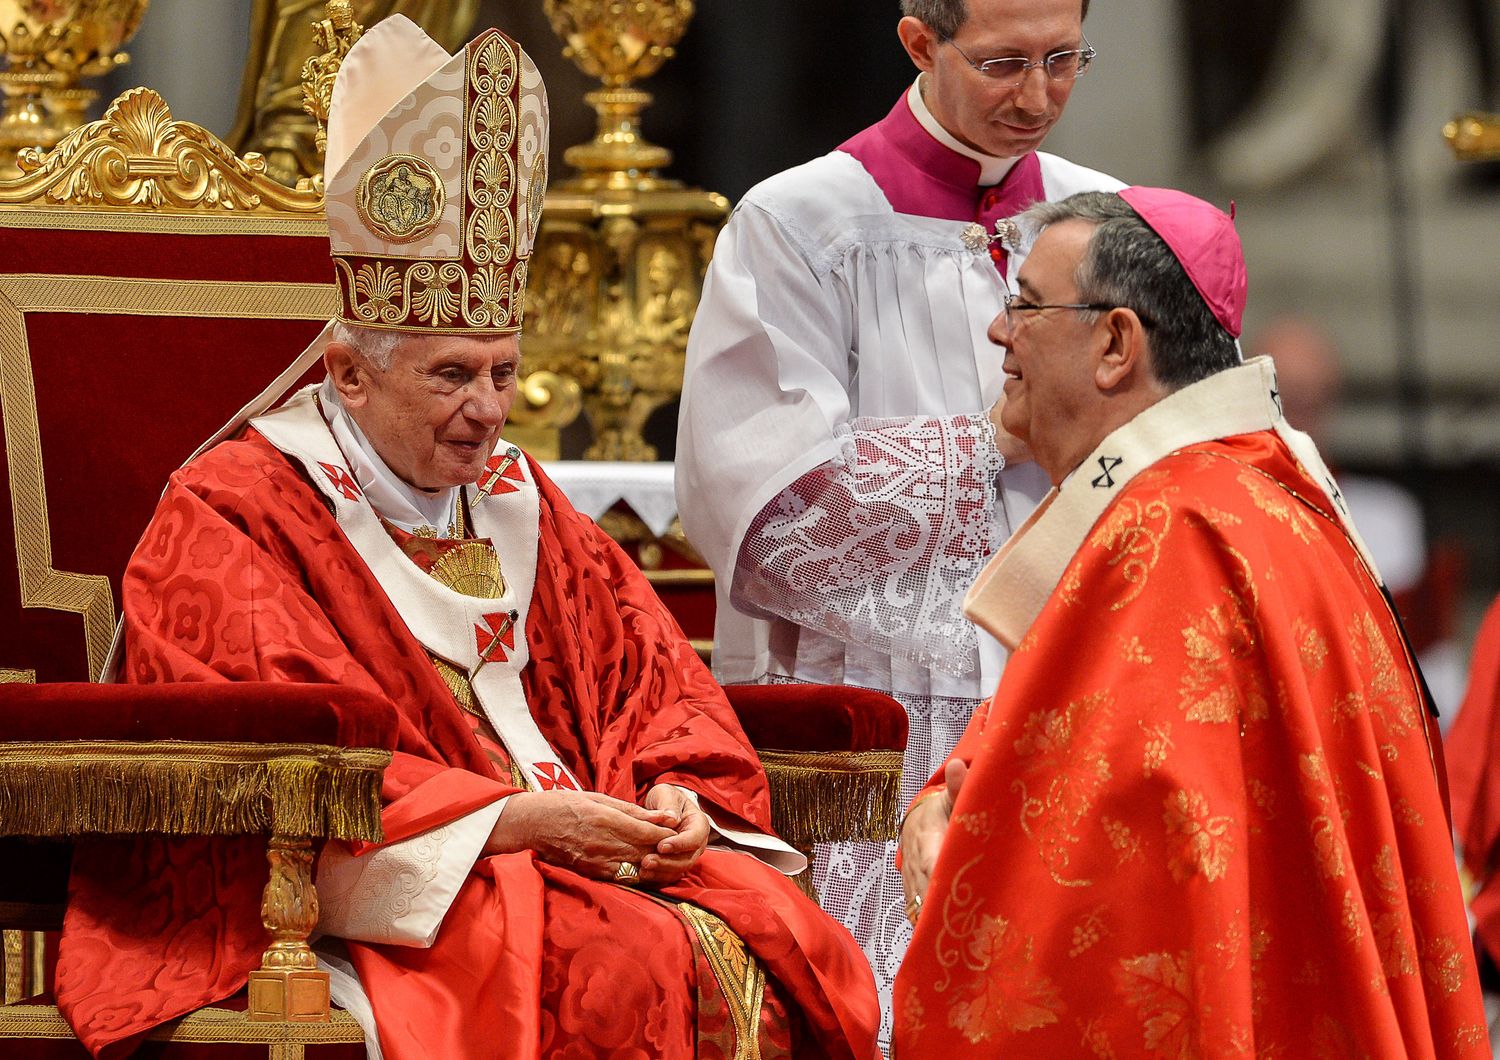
[(837, 464)]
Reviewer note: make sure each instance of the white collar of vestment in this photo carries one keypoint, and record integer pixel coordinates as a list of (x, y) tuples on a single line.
[(1013, 587), (992, 170), (483, 638), (393, 500)]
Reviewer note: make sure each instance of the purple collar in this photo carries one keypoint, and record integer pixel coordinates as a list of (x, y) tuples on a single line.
[(920, 176)]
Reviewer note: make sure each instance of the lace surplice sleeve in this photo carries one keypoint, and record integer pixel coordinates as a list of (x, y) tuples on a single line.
[(879, 545)]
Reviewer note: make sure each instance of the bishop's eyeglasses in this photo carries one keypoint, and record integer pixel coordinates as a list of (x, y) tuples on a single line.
[(1012, 304), (1010, 72)]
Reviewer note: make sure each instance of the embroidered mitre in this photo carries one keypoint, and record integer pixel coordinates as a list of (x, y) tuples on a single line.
[(435, 174)]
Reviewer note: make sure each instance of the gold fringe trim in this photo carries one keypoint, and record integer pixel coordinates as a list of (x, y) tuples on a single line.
[(820, 798), (181, 788), (205, 1025)]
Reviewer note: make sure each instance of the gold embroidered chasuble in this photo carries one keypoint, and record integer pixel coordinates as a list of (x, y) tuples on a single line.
[(1201, 817)]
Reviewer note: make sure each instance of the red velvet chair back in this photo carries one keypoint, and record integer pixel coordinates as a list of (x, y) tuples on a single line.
[(126, 339)]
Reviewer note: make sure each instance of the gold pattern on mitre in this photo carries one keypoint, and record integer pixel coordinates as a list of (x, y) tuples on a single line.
[(474, 129), (400, 198)]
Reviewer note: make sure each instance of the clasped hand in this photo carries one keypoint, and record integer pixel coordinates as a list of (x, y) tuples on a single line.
[(593, 834), (922, 836)]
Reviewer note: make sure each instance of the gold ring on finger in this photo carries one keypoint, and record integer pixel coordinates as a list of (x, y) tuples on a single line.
[(627, 874)]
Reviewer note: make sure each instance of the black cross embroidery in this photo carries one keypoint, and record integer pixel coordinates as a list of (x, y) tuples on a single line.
[(1276, 397), (1338, 497), (1108, 463)]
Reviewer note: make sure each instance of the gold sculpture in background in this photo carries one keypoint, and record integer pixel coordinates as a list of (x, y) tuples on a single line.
[(284, 94), (47, 48), (620, 257), (334, 36), (1474, 137)]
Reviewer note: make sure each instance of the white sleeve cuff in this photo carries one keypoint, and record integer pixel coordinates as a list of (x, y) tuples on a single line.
[(400, 893), (763, 848)]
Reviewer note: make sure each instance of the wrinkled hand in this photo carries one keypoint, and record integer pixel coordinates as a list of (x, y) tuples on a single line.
[(584, 831), (679, 852), (922, 837), (1012, 448)]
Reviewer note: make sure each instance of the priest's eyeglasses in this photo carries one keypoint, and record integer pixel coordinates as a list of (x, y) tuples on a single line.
[(1011, 72)]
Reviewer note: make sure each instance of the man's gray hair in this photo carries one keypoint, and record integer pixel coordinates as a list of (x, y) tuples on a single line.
[(1127, 264), (375, 345), (946, 17)]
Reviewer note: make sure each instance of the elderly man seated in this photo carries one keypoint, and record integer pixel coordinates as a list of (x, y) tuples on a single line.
[(1201, 815), (577, 858)]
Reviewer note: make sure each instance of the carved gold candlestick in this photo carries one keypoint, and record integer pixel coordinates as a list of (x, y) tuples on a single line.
[(47, 48), (620, 257)]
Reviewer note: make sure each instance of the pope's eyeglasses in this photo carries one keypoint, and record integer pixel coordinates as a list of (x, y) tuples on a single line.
[(1011, 72)]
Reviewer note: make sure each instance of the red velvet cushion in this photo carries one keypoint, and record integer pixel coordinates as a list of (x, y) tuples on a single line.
[(818, 718), (231, 711)]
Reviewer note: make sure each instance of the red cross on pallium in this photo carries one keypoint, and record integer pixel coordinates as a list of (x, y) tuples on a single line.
[(341, 480), (496, 637), (500, 471), (551, 776)]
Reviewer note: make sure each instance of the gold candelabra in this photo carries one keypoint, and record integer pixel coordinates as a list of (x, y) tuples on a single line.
[(47, 48), (619, 260), (1474, 137)]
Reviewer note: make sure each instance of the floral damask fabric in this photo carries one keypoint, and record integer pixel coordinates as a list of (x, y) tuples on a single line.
[(878, 546), (243, 574), (1202, 818)]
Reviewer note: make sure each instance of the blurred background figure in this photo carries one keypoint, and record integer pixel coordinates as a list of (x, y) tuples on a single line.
[(1424, 578)]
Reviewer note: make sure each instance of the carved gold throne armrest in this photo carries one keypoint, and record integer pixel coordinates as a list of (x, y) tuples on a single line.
[(297, 763)]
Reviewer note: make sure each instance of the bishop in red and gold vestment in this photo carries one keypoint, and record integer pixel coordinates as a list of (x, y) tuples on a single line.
[(577, 859), (1201, 815)]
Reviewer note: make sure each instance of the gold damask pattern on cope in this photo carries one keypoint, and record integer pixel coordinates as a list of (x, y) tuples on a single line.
[(1206, 749)]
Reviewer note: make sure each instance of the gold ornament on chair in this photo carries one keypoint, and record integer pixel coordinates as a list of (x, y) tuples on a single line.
[(621, 254)]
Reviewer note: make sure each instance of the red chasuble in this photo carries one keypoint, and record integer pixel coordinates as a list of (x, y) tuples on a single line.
[(1472, 747), (1201, 818), (243, 574)]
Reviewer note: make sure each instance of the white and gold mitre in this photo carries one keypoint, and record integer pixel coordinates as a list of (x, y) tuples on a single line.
[(434, 176)]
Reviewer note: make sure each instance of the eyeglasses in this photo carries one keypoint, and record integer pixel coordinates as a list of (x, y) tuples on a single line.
[(1011, 72), (1013, 304)]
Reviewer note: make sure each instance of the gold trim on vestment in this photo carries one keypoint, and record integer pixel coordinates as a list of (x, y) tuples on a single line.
[(17, 677), (42, 586), (741, 978), (832, 796), (185, 788), (203, 1025), (472, 568)]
